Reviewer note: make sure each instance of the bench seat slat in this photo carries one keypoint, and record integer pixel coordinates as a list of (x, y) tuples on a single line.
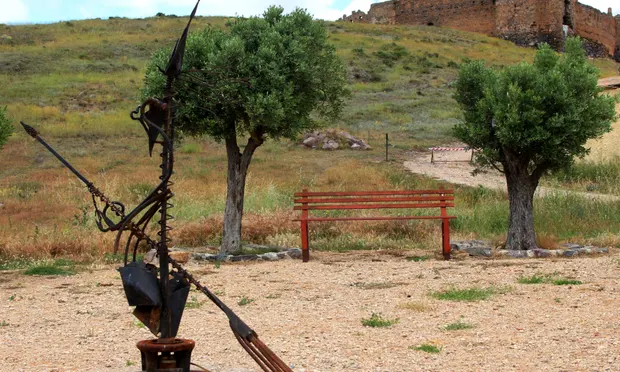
[(318, 219), (371, 206), (374, 200), (374, 193)]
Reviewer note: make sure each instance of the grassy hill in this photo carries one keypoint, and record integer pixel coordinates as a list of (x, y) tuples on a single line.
[(77, 81)]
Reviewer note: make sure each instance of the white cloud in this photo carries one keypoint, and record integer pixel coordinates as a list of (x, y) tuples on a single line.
[(603, 5), (85, 13), (14, 12)]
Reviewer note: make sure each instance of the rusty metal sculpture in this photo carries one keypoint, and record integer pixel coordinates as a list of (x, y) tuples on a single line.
[(159, 294)]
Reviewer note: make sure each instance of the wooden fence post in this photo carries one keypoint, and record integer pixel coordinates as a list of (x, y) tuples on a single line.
[(445, 230), (305, 247)]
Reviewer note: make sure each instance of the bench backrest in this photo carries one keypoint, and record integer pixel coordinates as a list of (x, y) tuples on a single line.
[(403, 199)]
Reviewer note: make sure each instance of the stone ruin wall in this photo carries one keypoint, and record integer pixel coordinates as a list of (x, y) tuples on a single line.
[(617, 54), (598, 27), (528, 22), (383, 13), (525, 22), (467, 15)]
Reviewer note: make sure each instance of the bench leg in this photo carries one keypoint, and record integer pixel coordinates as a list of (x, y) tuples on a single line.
[(305, 247), (445, 238)]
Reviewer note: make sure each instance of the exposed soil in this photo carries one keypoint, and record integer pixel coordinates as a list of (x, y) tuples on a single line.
[(454, 167), (310, 314)]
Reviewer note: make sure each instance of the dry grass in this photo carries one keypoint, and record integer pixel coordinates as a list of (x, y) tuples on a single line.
[(606, 148), (80, 97)]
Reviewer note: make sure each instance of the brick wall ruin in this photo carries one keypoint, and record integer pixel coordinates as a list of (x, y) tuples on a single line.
[(525, 22), (617, 53)]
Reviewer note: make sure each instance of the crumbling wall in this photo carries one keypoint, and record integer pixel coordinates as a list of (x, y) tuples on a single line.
[(525, 22), (382, 13), (528, 22), (617, 53), (467, 15), (357, 17), (599, 28)]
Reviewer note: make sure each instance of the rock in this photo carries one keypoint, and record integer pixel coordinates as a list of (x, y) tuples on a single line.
[(294, 253), (539, 253), (330, 145), (204, 256), (332, 140), (244, 257), (270, 256), (517, 254), (311, 141)]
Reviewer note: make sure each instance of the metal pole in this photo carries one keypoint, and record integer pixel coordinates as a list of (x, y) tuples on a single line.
[(387, 142), (166, 316)]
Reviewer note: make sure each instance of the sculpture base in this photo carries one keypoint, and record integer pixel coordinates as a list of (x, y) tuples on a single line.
[(172, 355)]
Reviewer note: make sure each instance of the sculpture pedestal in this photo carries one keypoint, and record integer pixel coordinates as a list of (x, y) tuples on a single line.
[(173, 356)]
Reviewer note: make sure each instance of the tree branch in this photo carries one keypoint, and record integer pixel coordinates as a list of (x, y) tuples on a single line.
[(257, 138), (496, 167), (539, 171)]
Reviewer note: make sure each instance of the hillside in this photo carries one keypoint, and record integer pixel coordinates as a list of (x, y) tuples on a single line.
[(84, 72), (77, 82)]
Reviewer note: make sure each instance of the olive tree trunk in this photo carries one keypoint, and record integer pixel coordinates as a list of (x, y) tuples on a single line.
[(521, 188), (238, 164)]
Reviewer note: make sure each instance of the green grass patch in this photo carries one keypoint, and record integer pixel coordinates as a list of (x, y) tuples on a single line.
[(547, 279), (193, 303), (15, 264), (465, 295), (458, 326), (534, 279), (377, 320), (427, 348), (418, 258), (60, 267), (190, 148), (245, 301)]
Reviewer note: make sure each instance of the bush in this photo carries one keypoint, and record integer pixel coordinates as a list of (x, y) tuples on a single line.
[(6, 129)]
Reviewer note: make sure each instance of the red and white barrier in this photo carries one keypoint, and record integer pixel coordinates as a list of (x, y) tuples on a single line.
[(433, 149), (449, 148)]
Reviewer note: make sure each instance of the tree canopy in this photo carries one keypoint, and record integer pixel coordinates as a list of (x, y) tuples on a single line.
[(530, 119), (542, 112), (263, 76), (6, 129), (269, 77)]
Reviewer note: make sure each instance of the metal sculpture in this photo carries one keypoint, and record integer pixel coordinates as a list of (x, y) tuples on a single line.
[(159, 293)]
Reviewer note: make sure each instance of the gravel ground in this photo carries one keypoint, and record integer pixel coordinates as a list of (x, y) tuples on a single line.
[(310, 315)]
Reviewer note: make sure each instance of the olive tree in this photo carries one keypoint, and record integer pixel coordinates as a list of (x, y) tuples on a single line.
[(263, 77), (530, 119), (6, 129)]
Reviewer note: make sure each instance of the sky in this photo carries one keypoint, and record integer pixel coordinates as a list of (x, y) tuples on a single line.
[(46, 11)]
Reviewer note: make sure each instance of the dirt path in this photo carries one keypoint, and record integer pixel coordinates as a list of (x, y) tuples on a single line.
[(454, 167), (310, 314)]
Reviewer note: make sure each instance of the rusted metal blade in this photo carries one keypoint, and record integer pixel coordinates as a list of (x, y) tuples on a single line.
[(34, 134), (176, 59)]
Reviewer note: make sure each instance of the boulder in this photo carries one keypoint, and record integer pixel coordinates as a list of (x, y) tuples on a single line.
[(331, 140), (330, 145)]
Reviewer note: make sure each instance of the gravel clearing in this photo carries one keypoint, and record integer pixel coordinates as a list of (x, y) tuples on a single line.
[(310, 315)]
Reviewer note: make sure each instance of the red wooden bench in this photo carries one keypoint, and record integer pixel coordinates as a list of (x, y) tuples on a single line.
[(306, 201)]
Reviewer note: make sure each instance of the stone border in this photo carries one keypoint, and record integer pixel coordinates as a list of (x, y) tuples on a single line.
[(479, 248), (294, 253)]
